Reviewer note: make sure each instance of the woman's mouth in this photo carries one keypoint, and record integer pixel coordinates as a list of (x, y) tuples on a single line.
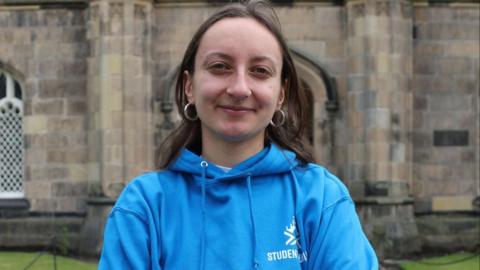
[(235, 110)]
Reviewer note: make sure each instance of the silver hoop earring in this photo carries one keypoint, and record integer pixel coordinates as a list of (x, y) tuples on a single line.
[(187, 116), (282, 121)]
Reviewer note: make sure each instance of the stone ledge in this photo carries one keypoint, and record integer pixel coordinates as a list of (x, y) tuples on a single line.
[(91, 235), (100, 201), (384, 200), (10, 208), (14, 204), (38, 232), (39, 4), (449, 232), (390, 225), (453, 203)]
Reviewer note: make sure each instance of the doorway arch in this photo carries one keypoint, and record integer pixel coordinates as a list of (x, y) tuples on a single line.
[(323, 105)]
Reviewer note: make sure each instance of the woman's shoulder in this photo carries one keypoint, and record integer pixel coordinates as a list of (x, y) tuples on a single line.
[(152, 179), (318, 182), (144, 189)]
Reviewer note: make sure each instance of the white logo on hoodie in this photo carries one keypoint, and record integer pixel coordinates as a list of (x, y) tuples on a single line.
[(293, 237), (290, 232)]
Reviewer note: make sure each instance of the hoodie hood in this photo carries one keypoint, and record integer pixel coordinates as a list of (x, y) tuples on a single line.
[(271, 160)]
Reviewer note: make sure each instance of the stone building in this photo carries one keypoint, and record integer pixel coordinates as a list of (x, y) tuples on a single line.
[(86, 95)]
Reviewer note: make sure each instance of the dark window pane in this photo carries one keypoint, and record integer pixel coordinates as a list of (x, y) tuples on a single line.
[(18, 90), (3, 86), (450, 138)]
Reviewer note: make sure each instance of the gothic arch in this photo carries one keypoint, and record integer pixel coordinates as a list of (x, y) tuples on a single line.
[(323, 105), (15, 73), (313, 72)]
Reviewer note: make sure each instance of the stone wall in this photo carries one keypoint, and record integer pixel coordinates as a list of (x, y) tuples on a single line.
[(379, 96), (446, 108), (448, 232), (379, 120), (119, 94), (391, 228), (38, 233), (319, 33), (46, 50)]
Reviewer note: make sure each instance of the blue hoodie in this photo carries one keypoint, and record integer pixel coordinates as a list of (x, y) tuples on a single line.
[(268, 212)]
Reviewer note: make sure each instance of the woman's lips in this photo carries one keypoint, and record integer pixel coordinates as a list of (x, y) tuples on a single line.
[(235, 110)]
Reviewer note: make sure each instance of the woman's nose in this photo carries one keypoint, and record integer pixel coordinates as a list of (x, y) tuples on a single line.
[(239, 87)]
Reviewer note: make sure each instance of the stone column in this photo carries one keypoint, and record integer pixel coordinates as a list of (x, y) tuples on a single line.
[(379, 119), (119, 90), (120, 138)]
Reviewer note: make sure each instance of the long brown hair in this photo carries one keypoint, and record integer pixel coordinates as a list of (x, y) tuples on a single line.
[(291, 135)]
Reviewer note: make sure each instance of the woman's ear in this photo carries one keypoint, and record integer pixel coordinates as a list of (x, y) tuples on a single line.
[(187, 86)]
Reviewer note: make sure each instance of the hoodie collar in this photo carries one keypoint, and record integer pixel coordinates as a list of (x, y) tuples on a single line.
[(271, 160)]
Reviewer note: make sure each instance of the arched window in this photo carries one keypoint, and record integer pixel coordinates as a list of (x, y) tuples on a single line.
[(11, 137)]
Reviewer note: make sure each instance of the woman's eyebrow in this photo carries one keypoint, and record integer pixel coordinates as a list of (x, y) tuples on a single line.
[(262, 58), (218, 55)]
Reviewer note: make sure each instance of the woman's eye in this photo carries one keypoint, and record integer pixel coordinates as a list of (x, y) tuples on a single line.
[(218, 67), (261, 71)]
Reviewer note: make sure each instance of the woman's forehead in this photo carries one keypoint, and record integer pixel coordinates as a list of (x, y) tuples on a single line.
[(234, 37)]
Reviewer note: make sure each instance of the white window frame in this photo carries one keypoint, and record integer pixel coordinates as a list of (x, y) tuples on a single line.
[(17, 103)]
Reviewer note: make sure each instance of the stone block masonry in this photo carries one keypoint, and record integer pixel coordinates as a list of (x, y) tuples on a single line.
[(48, 47), (119, 93), (446, 98), (379, 93)]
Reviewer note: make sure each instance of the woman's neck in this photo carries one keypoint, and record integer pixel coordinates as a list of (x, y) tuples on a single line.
[(230, 153)]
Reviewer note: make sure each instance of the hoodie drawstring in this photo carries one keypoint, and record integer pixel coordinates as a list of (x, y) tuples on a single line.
[(252, 220), (204, 165), (301, 253)]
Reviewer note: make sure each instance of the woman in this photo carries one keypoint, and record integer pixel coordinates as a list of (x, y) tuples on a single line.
[(237, 188)]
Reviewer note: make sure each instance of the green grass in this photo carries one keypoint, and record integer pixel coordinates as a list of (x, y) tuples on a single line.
[(460, 261), (19, 260)]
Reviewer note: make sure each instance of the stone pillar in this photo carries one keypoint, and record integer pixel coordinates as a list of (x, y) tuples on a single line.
[(119, 91), (120, 128), (379, 119)]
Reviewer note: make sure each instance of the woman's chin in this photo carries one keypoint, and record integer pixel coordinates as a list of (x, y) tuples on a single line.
[(233, 133), (240, 135), (235, 136)]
